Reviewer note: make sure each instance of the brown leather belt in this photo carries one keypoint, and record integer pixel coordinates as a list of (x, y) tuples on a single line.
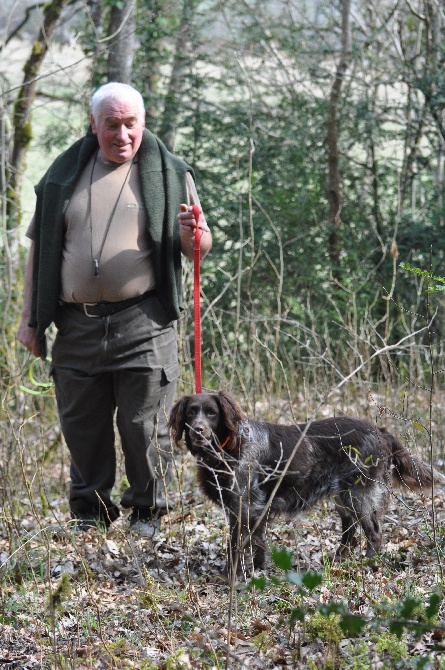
[(97, 309)]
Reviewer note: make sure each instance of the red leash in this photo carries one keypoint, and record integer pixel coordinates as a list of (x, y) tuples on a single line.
[(197, 299)]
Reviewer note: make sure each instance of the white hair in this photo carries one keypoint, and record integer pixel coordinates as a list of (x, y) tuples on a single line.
[(116, 92)]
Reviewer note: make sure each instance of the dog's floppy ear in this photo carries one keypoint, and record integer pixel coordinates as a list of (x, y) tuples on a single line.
[(231, 414), (177, 419)]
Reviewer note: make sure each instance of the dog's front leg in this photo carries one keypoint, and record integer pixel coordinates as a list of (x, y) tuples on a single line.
[(247, 547), (239, 546), (234, 563)]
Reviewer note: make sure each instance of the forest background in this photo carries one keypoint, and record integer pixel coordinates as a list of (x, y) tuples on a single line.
[(317, 135)]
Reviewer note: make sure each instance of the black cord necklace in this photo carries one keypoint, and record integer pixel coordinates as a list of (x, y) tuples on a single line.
[(96, 260)]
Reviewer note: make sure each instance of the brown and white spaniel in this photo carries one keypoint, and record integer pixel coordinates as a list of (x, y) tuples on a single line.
[(257, 470)]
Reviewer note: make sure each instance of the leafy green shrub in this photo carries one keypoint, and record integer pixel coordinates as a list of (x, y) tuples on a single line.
[(326, 628)]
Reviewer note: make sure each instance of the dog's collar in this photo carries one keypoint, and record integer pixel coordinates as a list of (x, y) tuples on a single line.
[(225, 443)]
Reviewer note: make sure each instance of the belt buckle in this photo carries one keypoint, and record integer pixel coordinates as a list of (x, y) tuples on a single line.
[(85, 309)]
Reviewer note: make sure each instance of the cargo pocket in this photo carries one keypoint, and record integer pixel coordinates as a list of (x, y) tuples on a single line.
[(171, 372)]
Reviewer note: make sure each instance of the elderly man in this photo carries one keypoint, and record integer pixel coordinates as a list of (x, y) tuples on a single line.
[(113, 214)]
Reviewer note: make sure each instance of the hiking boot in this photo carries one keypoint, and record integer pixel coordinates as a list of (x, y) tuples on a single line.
[(83, 522), (146, 521)]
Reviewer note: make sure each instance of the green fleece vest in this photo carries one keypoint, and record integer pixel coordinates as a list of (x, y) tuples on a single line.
[(163, 185)]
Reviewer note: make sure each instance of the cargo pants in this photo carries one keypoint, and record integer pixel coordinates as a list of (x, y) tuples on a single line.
[(118, 370)]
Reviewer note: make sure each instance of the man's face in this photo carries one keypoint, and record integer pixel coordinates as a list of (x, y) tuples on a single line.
[(119, 129)]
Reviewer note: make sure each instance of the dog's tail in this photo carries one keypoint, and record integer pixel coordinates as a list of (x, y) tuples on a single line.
[(409, 470)]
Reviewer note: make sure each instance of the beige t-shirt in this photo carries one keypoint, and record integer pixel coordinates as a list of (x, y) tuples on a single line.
[(125, 268)]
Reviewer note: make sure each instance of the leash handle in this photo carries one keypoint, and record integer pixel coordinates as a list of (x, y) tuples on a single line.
[(197, 299), (40, 387)]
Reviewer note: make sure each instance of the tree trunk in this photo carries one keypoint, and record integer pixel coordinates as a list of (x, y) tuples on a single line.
[(23, 108), (155, 19), (96, 18), (334, 195), (167, 131), (122, 30)]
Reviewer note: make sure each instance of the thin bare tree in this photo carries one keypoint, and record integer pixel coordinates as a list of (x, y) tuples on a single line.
[(23, 110), (334, 194), (121, 31), (167, 131)]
